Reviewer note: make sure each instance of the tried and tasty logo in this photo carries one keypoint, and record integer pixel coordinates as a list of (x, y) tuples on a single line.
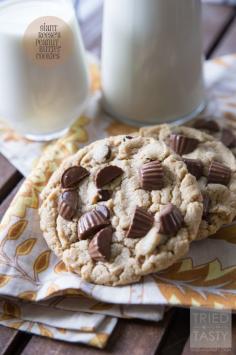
[(48, 41)]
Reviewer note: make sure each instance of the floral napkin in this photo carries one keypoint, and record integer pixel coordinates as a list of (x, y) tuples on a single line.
[(39, 295)]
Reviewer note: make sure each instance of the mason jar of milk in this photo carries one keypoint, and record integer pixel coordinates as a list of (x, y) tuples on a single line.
[(44, 79), (152, 60)]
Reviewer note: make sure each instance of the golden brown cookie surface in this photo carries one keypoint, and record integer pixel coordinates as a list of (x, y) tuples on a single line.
[(121, 208)]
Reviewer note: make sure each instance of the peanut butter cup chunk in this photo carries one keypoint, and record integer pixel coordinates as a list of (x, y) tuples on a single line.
[(152, 176), (118, 242), (182, 144), (171, 219), (218, 182), (68, 204), (218, 173), (141, 223), (195, 167), (100, 246), (72, 176), (91, 222), (107, 175), (209, 125), (228, 138), (206, 207), (103, 210)]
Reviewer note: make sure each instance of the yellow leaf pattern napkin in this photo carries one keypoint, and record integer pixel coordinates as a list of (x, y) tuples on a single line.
[(32, 279)]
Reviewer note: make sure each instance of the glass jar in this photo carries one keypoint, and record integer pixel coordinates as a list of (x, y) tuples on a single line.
[(152, 60), (44, 76)]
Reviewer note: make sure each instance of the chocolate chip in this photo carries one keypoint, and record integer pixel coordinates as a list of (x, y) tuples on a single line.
[(68, 204), (182, 144), (141, 223), (108, 155), (107, 174), (228, 138), (151, 176), (100, 246), (170, 219), (72, 176), (91, 222), (104, 195), (218, 173), (195, 167), (127, 137), (209, 125), (206, 207)]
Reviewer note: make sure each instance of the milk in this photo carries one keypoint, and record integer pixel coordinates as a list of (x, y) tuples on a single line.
[(152, 60), (40, 99)]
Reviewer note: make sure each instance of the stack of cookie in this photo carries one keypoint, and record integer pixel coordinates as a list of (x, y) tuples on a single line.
[(128, 206)]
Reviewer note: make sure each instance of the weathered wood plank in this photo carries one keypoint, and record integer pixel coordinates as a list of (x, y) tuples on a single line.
[(188, 351), (215, 19), (228, 43), (129, 337), (7, 336), (14, 341), (176, 333), (5, 204), (9, 177)]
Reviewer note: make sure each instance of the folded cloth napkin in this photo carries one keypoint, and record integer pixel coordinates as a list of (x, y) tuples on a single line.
[(75, 326), (71, 316), (40, 296)]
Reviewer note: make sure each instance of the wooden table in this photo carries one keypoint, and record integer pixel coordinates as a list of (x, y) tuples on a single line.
[(170, 336)]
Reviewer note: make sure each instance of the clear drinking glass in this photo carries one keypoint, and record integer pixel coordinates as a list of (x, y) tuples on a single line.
[(44, 77), (152, 60)]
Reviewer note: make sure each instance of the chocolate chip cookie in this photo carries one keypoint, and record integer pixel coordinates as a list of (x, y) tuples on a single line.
[(121, 208), (226, 132), (214, 167)]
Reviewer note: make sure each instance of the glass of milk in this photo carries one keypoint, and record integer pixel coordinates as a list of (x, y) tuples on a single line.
[(44, 79), (152, 60)]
